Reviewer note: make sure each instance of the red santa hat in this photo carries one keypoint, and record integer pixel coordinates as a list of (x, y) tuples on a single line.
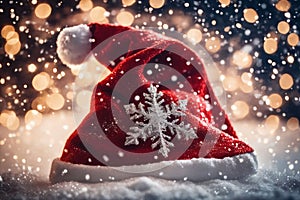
[(155, 114)]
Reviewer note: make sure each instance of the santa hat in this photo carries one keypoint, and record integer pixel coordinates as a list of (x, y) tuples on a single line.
[(154, 115)]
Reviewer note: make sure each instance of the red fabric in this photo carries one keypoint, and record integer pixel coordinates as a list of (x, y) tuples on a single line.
[(136, 51)]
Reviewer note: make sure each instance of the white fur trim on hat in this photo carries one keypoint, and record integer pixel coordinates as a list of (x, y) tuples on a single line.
[(196, 169), (73, 44)]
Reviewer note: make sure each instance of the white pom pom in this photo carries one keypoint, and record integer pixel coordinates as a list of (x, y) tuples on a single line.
[(73, 44)]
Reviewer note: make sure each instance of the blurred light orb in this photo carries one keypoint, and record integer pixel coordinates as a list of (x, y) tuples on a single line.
[(293, 124), (240, 109), (156, 3), (270, 45), (125, 18), (246, 77), (213, 44), (250, 15), (12, 49), (31, 67), (12, 38), (13, 123), (6, 30), (83, 99), (290, 59), (39, 104), (33, 118), (275, 100), (55, 101), (293, 39), (97, 14), (246, 88), (224, 3), (9, 119), (272, 123), (283, 27), (43, 10), (242, 59), (194, 35), (283, 5), (286, 81), (85, 5), (128, 2), (41, 81), (231, 83)]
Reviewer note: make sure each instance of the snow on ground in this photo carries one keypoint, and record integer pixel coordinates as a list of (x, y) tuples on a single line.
[(26, 156)]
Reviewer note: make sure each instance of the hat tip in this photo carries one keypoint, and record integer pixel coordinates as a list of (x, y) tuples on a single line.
[(74, 44)]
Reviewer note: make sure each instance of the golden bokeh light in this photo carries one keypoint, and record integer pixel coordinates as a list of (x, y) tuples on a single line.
[(125, 18), (293, 124), (274, 100), (4, 116), (85, 5), (39, 104), (97, 14), (128, 2), (6, 30), (293, 39), (246, 88), (12, 38), (156, 3), (55, 101), (224, 3), (83, 99), (43, 10), (250, 15), (194, 35), (13, 123), (240, 109), (270, 45), (286, 81), (33, 118), (231, 83), (246, 77), (272, 123), (213, 44), (12, 49), (242, 59), (41, 81), (283, 27), (283, 5), (9, 119)]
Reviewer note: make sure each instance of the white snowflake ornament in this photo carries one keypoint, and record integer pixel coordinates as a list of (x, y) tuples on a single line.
[(154, 121)]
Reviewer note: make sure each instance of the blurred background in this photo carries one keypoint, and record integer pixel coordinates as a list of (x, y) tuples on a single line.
[(254, 44)]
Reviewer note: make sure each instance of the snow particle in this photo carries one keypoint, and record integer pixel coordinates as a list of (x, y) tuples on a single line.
[(105, 158), (65, 171), (87, 177), (174, 78), (120, 154), (224, 127), (137, 98), (149, 72), (291, 166)]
